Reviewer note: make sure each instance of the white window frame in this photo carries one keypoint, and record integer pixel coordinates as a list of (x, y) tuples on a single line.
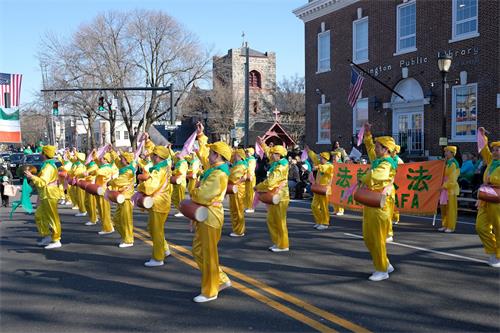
[(117, 135), (399, 50), (354, 40), (126, 136), (326, 35), (355, 112), (472, 34), (321, 108), (461, 138)]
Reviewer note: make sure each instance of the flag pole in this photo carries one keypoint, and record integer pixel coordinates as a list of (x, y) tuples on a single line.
[(373, 77)]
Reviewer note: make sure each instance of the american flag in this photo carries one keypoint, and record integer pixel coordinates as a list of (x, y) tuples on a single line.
[(10, 89), (355, 87)]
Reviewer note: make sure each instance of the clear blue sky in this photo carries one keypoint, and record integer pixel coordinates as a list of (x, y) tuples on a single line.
[(269, 25)]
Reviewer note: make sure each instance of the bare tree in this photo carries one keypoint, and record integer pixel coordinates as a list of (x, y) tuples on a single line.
[(290, 101)]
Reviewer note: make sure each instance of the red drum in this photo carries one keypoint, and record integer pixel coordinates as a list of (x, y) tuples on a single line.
[(370, 198), (115, 196), (144, 201), (319, 189), (176, 180), (192, 175), (489, 193), (193, 211), (270, 198), (232, 188), (95, 189), (143, 177), (82, 184)]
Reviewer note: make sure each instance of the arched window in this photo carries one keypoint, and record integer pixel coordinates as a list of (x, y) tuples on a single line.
[(255, 107), (254, 79)]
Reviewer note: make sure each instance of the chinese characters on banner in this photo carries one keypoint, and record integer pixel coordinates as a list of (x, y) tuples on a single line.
[(418, 186)]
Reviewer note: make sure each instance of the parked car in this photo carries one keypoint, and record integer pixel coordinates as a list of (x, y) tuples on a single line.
[(16, 160), (34, 160)]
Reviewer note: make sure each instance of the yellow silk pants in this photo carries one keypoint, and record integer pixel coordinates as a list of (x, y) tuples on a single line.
[(237, 210), (249, 193), (104, 208), (178, 194), (375, 228), (319, 207), (47, 219), (276, 224), (488, 227), (80, 197), (206, 255), (449, 213), (156, 228), (123, 221), (91, 206), (73, 195)]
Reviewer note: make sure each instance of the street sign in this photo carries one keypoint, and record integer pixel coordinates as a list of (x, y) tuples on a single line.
[(170, 127)]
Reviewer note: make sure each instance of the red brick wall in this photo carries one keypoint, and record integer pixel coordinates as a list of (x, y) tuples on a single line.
[(434, 24)]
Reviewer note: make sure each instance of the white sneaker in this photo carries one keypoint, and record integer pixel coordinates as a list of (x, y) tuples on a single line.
[(126, 245), (272, 247), (389, 239), (321, 227), (390, 269), (277, 249), (339, 213), (203, 299), (442, 229), (68, 203), (179, 214), (315, 226), (379, 276), (54, 245), (449, 231), (74, 208), (90, 223), (249, 210), (62, 202), (81, 214), (395, 222), (106, 232), (153, 263), (225, 285), (44, 241), (494, 261), (233, 234), (167, 253)]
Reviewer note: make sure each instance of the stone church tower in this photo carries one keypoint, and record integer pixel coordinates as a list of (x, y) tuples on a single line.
[(229, 87)]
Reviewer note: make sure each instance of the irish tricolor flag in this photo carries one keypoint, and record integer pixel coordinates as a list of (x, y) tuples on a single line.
[(10, 97), (10, 128)]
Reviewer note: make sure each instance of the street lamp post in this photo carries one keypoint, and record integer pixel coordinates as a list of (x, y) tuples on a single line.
[(444, 63)]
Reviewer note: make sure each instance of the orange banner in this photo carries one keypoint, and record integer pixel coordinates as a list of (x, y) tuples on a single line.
[(418, 186)]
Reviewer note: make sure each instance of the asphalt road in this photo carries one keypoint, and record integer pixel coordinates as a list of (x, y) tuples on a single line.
[(441, 283)]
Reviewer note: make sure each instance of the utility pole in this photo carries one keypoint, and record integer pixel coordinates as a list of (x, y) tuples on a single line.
[(247, 93)]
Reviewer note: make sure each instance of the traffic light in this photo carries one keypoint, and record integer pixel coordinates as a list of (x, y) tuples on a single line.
[(55, 108), (101, 104)]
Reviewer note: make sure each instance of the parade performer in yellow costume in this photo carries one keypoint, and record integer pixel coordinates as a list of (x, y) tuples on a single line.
[(448, 199), (237, 176), (250, 180), (210, 193), (79, 173), (488, 215), (179, 190), (103, 175), (66, 167), (193, 171), (277, 179), (324, 177), (376, 221), (91, 199), (46, 215), (336, 157), (72, 188), (123, 219), (158, 186)]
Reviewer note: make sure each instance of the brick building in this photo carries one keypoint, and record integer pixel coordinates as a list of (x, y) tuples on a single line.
[(398, 42)]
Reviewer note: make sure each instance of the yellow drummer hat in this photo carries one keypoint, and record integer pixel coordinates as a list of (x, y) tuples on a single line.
[(387, 142), (81, 156), (241, 153), (452, 149), (250, 151), (495, 144), (222, 149), (129, 157), (325, 155), (49, 151), (278, 149), (161, 152)]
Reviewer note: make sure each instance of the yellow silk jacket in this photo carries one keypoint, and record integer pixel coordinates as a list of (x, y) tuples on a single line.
[(325, 171), (277, 177), (46, 181), (92, 168), (124, 182), (104, 174), (252, 164), (376, 179), (451, 172), (212, 188), (158, 185), (492, 177)]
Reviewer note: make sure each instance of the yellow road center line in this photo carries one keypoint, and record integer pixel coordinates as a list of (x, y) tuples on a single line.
[(275, 292)]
